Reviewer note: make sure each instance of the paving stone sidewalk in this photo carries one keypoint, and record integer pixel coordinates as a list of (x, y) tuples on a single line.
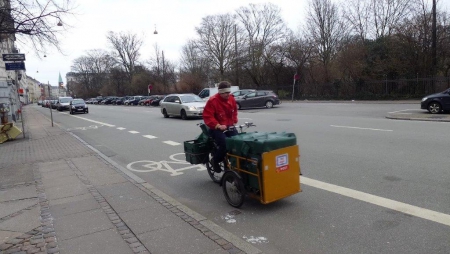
[(59, 196)]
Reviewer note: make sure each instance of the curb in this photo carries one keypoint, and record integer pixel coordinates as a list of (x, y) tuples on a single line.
[(418, 119)]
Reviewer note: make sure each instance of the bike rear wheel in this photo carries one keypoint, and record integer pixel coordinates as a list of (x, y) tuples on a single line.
[(233, 188)]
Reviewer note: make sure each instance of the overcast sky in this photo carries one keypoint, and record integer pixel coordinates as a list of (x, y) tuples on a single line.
[(175, 22)]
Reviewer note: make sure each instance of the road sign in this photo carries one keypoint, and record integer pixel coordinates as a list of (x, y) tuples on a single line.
[(150, 87), (15, 66), (13, 57), (296, 77)]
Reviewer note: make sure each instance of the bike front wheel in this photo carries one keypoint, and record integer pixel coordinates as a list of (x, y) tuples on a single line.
[(233, 189), (215, 176)]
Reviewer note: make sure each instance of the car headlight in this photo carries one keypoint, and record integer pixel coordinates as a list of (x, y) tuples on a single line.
[(73, 107), (85, 106), (192, 108), (424, 98)]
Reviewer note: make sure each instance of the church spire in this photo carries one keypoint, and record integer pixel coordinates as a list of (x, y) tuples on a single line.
[(60, 81)]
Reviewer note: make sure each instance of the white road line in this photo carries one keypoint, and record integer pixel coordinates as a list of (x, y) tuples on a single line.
[(172, 143), (423, 213), (133, 132), (359, 128), (149, 136), (121, 128), (400, 111), (109, 125)]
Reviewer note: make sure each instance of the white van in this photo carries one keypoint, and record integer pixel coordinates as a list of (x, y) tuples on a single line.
[(63, 103), (208, 92)]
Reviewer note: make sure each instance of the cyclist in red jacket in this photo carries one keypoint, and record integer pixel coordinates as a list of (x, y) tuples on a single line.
[(220, 113)]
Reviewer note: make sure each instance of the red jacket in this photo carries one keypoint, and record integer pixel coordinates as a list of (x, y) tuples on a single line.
[(220, 111)]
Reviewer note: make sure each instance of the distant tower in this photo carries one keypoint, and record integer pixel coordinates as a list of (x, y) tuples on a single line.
[(60, 86), (60, 81)]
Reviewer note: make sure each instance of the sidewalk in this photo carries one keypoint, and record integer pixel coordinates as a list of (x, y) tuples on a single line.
[(59, 195)]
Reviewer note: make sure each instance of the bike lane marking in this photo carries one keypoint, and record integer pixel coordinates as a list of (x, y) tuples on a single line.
[(133, 132), (172, 143), (106, 124), (416, 211), (149, 136), (146, 166), (121, 128)]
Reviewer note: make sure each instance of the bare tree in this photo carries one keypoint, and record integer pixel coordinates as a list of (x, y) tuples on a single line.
[(163, 71), (92, 71), (358, 15), (126, 48), (34, 23), (216, 41), (326, 29), (194, 66), (263, 27), (386, 14)]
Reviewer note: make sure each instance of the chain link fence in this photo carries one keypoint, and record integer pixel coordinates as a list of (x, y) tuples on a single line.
[(362, 90)]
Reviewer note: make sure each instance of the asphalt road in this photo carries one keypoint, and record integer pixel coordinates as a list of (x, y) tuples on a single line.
[(370, 184)]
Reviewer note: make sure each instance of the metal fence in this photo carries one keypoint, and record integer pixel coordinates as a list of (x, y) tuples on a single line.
[(363, 90)]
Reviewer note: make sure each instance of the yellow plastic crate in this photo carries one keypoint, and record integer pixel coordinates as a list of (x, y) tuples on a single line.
[(3, 137), (13, 132)]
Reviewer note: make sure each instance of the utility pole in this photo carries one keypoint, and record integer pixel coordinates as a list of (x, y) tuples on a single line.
[(18, 97), (50, 105), (433, 46), (236, 56)]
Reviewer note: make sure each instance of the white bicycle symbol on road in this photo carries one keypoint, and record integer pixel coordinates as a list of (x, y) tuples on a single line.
[(151, 166)]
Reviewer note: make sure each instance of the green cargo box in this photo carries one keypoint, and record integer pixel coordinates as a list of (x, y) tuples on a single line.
[(256, 143), (252, 145), (196, 151)]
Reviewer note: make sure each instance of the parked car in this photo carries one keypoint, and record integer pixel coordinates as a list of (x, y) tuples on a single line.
[(63, 103), (265, 98), (141, 102), (436, 103), (39, 102), (157, 101), (108, 100), (242, 92), (182, 105), (134, 100), (119, 101), (78, 106), (53, 103)]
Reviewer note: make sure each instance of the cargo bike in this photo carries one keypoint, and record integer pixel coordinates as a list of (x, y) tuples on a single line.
[(261, 165)]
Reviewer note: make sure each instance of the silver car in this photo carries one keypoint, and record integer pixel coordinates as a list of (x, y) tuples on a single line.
[(182, 105)]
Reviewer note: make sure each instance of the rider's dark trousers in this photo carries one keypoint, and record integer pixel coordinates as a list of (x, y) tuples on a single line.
[(219, 136)]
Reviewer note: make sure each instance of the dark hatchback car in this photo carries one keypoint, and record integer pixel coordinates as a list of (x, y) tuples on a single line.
[(436, 103), (78, 106), (265, 98)]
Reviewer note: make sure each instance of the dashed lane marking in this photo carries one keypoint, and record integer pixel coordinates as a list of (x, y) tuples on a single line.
[(172, 143), (149, 136), (106, 124), (393, 112), (359, 128), (133, 132), (121, 128), (416, 211)]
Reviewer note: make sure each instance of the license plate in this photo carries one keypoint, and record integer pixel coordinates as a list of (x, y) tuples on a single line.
[(80, 109)]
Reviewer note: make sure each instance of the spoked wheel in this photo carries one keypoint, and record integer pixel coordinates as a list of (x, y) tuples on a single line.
[(215, 176), (233, 188), (434, 108)]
